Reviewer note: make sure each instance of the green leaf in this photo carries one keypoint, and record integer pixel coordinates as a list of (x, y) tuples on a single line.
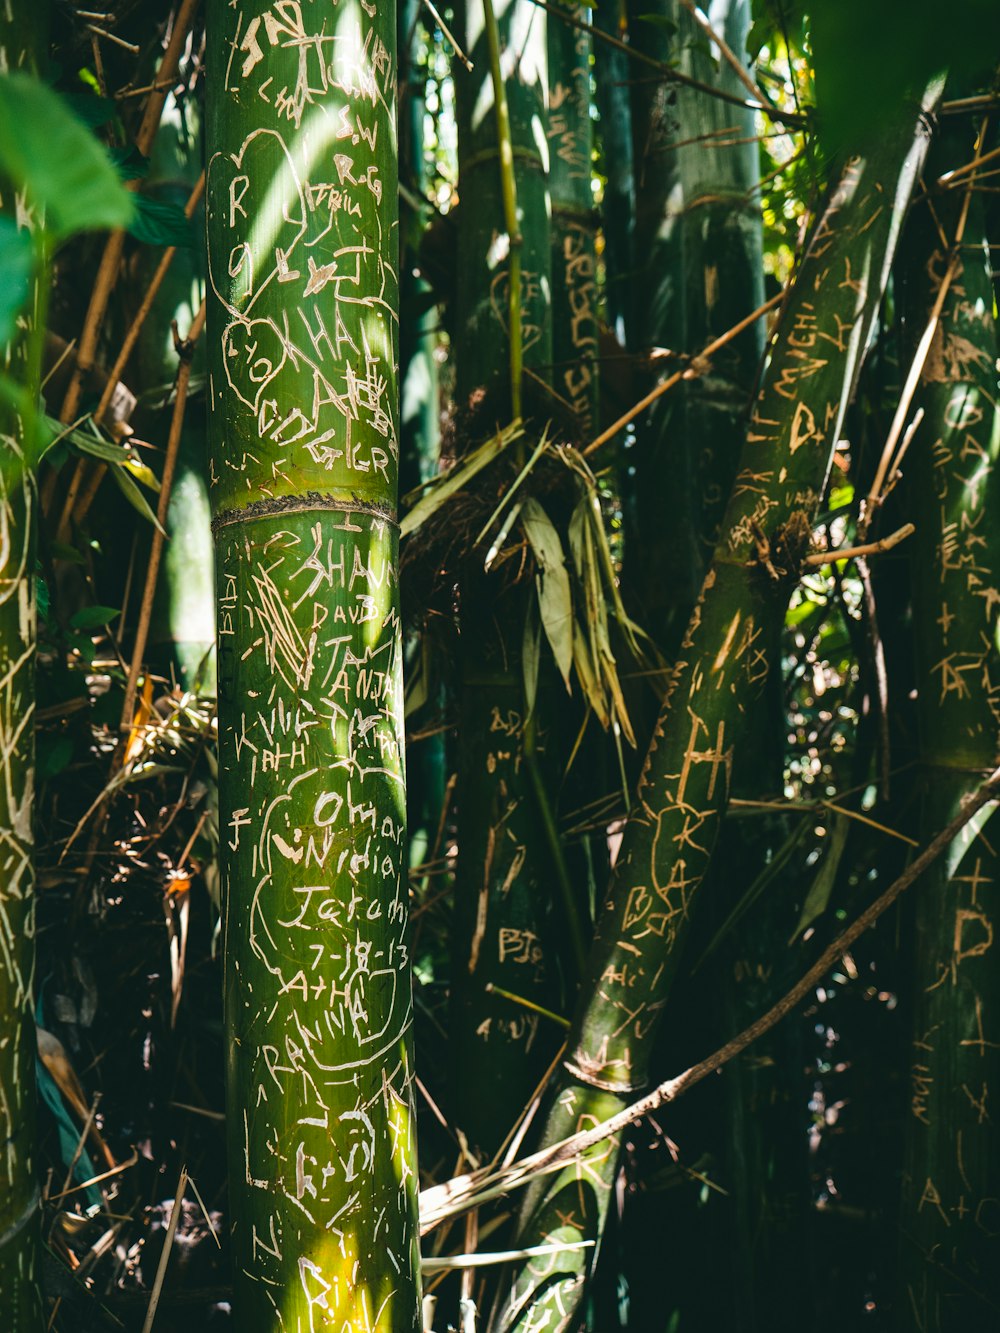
[(63, 551), (92, 617), (156, 222), (42, 599), (16, 262), (531, 656), (555, 599), (142, 473), (440, 489), (117, 455), (129, 163), (94, 111), (818, 897), (133, 495), (53, 754), (54, 158)]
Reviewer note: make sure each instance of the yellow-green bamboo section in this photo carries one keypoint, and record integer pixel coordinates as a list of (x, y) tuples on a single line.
[(303, 434), (20, 359)]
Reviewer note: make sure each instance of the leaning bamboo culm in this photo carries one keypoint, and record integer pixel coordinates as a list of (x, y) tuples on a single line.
[(722, 666)]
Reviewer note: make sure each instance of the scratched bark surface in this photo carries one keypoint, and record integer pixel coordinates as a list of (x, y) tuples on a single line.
[(950, 1220), (721, 670), (698, 228), (20, 1299), (612, 73), (301, 195), (574, 223)]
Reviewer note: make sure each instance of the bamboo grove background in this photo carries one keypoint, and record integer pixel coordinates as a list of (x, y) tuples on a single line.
[(499, 689)]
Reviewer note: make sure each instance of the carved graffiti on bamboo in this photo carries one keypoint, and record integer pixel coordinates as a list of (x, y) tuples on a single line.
[(17, 712), (301, 270), (534, 305)]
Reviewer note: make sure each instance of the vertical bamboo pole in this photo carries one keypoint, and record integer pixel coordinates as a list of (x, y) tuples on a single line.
[(303, 433), (22, 28), (574, 223), (699, 236), (502, 923), (949, 1220)]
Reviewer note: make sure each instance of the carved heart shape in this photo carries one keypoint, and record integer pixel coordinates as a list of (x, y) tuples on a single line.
[(258, 195), (253, 354)]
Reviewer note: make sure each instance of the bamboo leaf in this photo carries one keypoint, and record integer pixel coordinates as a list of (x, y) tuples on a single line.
[(92, 617), (531, 655), (138, 469), (818, 897), (158, 222), (16, 262), (510, 493), (133, 495), (555, 598), (51, 156), (587, 677), (443, 488)]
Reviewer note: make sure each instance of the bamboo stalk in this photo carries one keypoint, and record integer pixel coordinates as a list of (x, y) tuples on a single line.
[(303, 432), (953, 490), (508, 194)]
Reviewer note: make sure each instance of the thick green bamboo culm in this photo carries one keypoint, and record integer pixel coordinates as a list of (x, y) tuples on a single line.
[(574, 224), (723, 664), (611, 86), (20, 1215), (303, 434), (501, 934), (699, 230), (485, 244), (950, 1217)]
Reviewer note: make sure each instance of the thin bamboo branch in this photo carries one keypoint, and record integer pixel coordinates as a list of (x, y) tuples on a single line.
[(820, 558), (950, 177), (526, 1004), (88, 1124), (982, 102), (445, 1201), (689, 373), (185, 351), (726, 51), (107, 272), (90, 473), (670, 74), (448, 35), (111, 37), (161, 1268)]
